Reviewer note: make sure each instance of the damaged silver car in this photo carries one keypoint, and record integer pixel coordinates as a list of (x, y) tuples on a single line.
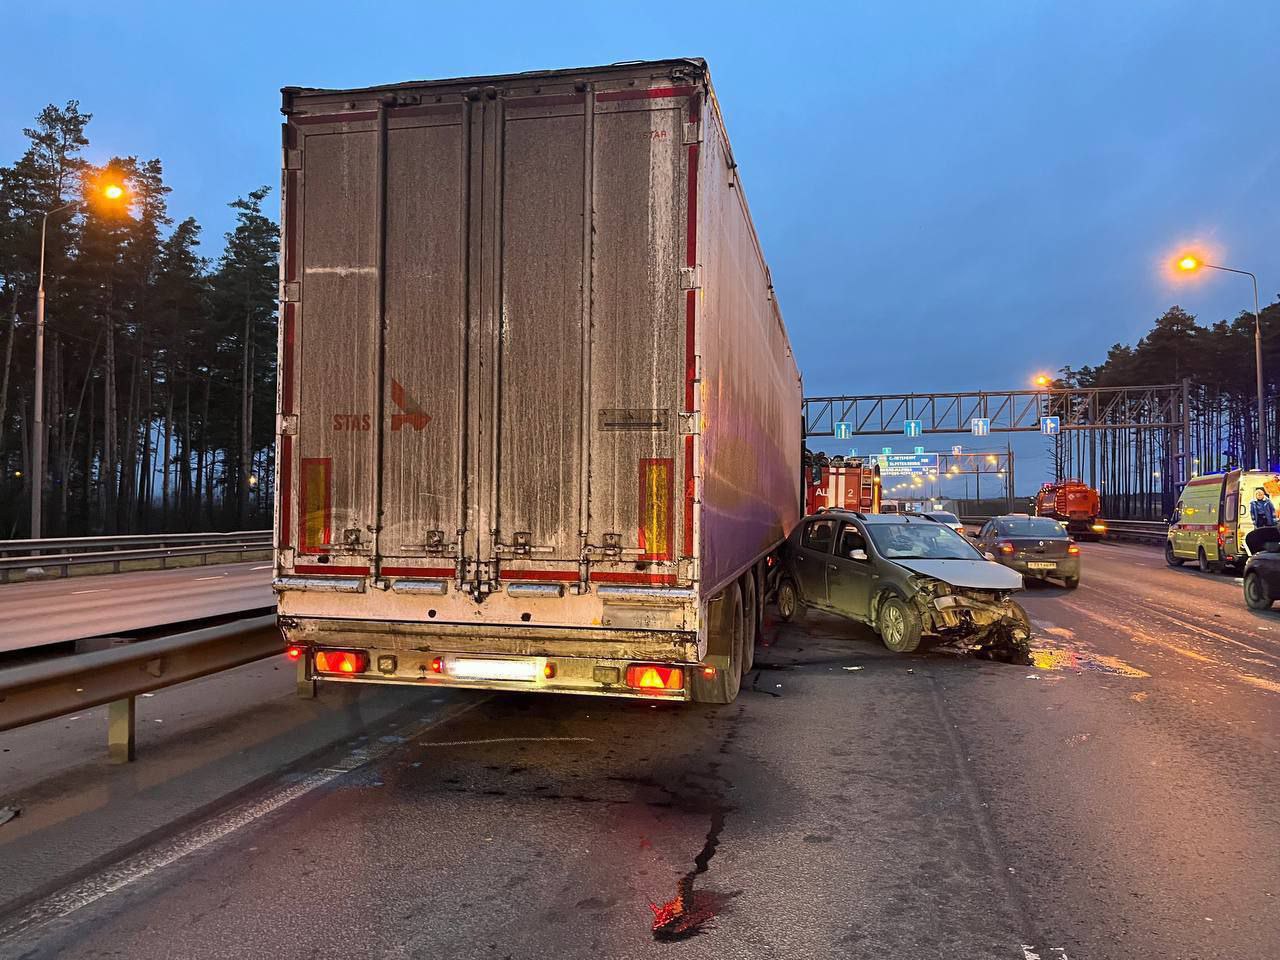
[(910, 578)]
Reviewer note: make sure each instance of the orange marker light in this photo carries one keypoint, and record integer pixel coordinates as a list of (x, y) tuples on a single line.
[(548, 670), (294, 653)]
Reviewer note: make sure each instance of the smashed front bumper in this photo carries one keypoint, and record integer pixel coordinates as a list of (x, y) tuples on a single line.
[(992, 628)]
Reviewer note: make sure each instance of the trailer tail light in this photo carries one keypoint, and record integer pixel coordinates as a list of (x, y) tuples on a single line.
[(437, 665), (1099, 528), (708, 672), (341, 661), (1004, 546), (549, 670), (1073, 548), (294, 652), (654, 678)]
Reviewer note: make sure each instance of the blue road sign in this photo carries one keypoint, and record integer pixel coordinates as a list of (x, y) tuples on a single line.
[(844, 430), (981, 426), (1051, 426), (912, 428)]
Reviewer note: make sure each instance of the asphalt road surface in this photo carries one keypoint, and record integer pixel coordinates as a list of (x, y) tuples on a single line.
[(1116, 800), (72, 608)]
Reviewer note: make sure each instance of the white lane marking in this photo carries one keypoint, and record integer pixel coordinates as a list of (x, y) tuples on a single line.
[(138, 867), (471, 743), (218, 577), (266, 566), (76, 593)]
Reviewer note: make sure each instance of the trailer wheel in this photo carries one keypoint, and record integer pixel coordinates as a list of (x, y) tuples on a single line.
[(750, 621), (723, 687)]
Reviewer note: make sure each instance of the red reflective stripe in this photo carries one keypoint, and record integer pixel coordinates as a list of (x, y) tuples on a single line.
[(652, 93), (418, 571), (286, 490), (337, 117), (322, 569), (607, 576), (291, 225), (565, 575), (286, 361), (688, 496), (690, 326)]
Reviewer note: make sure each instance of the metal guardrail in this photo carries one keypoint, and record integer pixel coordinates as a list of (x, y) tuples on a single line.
[(115, 677), (62, 554), (1139, 531)]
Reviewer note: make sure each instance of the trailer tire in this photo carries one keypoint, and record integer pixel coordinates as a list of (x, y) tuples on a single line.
[(750, 620), (723, 687)]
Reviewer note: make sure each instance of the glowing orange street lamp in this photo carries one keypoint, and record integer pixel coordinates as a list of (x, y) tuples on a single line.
[(112, 191), (1189, 263)]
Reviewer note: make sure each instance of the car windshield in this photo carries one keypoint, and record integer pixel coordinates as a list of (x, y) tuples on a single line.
[(1030, 527), (920, 541), (943, 517)]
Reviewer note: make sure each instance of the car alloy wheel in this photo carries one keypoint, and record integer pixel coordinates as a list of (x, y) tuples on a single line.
[(893, 627)]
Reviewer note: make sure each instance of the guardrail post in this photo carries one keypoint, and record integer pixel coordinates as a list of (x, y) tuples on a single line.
[(306, 688), (120, 730)]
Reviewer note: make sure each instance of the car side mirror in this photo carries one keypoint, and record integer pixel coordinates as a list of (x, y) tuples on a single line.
[(989, 556), (857, 554)]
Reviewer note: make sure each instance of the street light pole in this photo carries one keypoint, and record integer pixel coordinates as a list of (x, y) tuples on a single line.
[(37, 434), (1192, 263)]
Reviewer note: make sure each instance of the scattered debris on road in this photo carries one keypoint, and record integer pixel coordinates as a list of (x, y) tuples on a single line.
[(8, 813)]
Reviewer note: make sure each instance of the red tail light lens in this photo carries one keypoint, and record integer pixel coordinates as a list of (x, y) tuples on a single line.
[(1073, 549), (549, 670), (294, 653), (437, 665), (654, 677), (341, 661), (1005, 547)]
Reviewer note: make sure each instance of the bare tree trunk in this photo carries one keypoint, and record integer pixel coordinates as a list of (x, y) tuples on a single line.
[(166, 457), (246, 426), (8, 365), (109, 443)]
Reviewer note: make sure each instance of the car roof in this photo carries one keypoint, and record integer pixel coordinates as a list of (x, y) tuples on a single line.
[(872, 517)]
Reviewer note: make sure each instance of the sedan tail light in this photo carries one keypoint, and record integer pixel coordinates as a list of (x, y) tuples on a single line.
[(1004, 546), (1073, 548)]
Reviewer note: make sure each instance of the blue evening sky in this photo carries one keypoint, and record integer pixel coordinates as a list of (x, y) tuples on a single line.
[(950, 195)]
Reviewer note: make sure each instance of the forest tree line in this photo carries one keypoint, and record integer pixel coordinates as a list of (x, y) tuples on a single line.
[(159, 371), (1138, 472)]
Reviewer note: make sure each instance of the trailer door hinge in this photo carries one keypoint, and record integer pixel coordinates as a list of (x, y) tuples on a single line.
[(688, 424), (292, 159), (291, 291), (287, 425), (693, 132), (690, 278)]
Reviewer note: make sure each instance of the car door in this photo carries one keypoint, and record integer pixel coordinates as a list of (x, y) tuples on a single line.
[(812, 559), (984, 537), (848, 579)]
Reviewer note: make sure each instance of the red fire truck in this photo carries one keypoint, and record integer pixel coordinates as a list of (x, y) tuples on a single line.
[(1074, 503), (846, 483)]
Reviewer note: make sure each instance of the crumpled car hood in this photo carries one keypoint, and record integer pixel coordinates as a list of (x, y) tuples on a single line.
[(975, 574)]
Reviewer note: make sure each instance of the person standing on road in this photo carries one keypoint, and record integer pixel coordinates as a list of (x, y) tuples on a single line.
[(1262, 510)]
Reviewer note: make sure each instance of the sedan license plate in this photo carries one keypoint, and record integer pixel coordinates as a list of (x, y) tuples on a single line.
[(1040, 565)]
